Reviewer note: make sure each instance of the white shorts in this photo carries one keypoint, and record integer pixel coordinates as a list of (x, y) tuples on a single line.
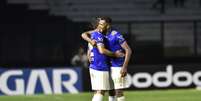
[(100, 80), (119, 82)]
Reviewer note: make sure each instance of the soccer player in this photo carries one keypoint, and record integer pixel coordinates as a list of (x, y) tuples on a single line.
[(94, 24), (100, 63), (119, 66), (116, 42)]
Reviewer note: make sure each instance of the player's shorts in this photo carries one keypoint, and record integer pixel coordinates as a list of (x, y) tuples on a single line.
[(119, 82), (100, 80)]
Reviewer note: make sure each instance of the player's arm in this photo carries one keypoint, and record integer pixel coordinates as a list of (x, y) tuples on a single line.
[(86, 37), (128, 53), (103, 50), (89, 52), (88, 55)]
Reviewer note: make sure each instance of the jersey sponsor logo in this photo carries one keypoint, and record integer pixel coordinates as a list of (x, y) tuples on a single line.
[(32, 81), (178, 79)]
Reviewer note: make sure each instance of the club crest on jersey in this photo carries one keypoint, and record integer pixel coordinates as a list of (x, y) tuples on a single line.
[(114, 32)]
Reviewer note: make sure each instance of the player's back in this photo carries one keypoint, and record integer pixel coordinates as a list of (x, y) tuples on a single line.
[(99, 61)]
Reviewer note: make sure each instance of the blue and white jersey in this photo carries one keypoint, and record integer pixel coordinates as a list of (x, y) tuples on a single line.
[(99, 61), (114, 41)]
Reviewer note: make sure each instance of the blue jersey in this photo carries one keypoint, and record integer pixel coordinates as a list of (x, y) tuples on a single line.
[(114, 41), (99, 61)]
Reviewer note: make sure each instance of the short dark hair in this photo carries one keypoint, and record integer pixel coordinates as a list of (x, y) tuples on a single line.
[(107, 19)]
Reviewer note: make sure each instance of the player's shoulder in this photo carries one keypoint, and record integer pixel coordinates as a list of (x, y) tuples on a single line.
[(95, 33), (98, 36), (115, 33), (118, 35)]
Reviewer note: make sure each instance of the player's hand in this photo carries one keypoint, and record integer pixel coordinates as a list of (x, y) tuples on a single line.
[(93, 42), (123, 72), (119, 54)]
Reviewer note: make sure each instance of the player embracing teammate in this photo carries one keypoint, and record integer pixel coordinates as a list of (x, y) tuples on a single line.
[(109, 54)]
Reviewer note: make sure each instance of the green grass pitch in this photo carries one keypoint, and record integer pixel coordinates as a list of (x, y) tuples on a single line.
[(150, 95)]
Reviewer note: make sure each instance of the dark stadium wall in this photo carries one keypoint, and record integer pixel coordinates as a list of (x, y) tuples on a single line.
[(35, 38)]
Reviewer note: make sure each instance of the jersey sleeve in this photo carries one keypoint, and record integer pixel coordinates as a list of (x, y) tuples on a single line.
[(120, 38), (99, 39)]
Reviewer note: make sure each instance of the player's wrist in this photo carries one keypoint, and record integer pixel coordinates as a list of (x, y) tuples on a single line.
[(124, 67)]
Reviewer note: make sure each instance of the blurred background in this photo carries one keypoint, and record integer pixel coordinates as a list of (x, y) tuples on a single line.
[(46, 33)]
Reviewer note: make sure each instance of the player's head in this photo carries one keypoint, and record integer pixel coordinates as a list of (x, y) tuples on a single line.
[(107, 19), (104, 23)]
